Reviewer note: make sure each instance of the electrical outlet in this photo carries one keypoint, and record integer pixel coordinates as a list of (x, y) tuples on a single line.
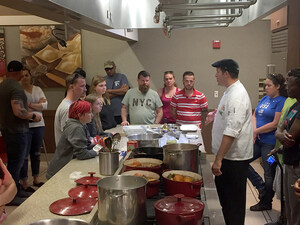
[(216, 94)]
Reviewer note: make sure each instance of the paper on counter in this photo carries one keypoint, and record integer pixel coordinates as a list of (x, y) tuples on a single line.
[(189, 127)]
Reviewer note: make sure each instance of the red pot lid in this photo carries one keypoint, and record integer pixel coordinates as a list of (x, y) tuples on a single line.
[(83, 191), (91, 180), (73, 206), (179, 204)]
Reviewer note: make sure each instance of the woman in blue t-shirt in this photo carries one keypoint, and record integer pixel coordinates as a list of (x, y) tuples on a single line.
[(265, 120)]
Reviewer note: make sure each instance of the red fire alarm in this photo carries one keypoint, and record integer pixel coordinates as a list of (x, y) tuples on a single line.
[(216, 44)]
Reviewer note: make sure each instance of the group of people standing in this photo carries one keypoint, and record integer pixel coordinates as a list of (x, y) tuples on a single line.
[(238, 135), (22, 127)]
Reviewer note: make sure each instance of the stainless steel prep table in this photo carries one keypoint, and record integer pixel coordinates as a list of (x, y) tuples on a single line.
[(37, 206)]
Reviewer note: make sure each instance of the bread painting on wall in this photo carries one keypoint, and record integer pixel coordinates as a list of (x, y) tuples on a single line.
[(49, 61)]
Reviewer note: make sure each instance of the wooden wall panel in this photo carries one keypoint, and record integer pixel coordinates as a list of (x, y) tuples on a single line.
[(49, 130), (293, 57)]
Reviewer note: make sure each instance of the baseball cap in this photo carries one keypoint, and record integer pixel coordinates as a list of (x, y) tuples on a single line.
[(14, 66), (227, 64), (109, 64)]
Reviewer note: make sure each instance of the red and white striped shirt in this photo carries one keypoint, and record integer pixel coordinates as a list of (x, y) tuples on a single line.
[(189, 108)]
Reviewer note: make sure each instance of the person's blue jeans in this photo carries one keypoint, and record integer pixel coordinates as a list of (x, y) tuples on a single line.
[(16, 145), (262, 150), (35, 141)]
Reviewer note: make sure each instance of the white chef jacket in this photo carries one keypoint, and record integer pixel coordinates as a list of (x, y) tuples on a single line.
[(234, 119)]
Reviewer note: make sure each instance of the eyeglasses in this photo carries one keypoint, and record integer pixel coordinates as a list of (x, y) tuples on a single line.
[(107, 69)]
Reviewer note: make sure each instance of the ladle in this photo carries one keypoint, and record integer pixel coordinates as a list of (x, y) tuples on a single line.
[(108, 143), (116, 138)]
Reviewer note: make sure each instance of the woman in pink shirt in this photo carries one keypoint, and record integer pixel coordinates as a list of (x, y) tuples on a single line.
[(166, 93)]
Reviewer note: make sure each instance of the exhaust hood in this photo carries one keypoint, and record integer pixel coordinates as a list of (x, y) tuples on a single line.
[(100, 15)]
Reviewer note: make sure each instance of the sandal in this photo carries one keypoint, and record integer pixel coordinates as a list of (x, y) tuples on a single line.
[(38, 184)]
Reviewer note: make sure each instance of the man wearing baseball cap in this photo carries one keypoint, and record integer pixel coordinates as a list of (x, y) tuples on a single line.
[(117, 86), (14, 118), (232, 142)]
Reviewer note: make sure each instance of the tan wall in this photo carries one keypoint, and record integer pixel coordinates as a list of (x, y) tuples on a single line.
[(192, 50), (185, 50)]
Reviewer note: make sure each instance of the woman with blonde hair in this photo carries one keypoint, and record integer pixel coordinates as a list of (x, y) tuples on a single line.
[(166, 93), (98, 86)]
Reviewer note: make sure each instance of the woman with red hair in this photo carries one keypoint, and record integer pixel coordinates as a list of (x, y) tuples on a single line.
[(74, 142)]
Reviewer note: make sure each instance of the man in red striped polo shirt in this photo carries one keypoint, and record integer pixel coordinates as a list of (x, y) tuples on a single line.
[(189, 106)]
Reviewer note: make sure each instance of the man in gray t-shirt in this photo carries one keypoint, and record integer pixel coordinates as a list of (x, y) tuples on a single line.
[(117, 86), (143, 103)]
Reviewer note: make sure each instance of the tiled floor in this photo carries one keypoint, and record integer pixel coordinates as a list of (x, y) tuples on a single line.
[(257, 218)]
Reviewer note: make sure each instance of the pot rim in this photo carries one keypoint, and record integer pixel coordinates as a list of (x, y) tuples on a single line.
[(180, 147), (58, 219), (142, 180), (156, 161), (129, 172), (184, 173)]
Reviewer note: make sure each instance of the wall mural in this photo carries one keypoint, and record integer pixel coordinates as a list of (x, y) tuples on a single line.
[(2, 54), (43, 51)]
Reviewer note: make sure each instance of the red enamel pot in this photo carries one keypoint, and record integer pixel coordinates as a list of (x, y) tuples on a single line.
[(129, 164), (152, 187), (189, 189), (179, 210)]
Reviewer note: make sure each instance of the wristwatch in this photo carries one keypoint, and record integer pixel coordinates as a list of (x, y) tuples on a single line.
[(33, 116)]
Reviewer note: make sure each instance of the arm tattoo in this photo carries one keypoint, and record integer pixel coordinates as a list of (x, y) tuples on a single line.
[(22, 112)]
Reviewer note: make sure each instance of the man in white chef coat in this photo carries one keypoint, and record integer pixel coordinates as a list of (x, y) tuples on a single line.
[(76, 87), (232, 142)]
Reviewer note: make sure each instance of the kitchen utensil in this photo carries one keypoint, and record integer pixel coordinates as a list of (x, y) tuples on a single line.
[(178, 210), (190, 189), (60, 221), (148, 164), (108, 163), (108, 143), (148, 152), (146, 140), (73, 206), (152, 186), (83, 191), (116, 138), (122, 200), (181, 157), (91, 180)]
